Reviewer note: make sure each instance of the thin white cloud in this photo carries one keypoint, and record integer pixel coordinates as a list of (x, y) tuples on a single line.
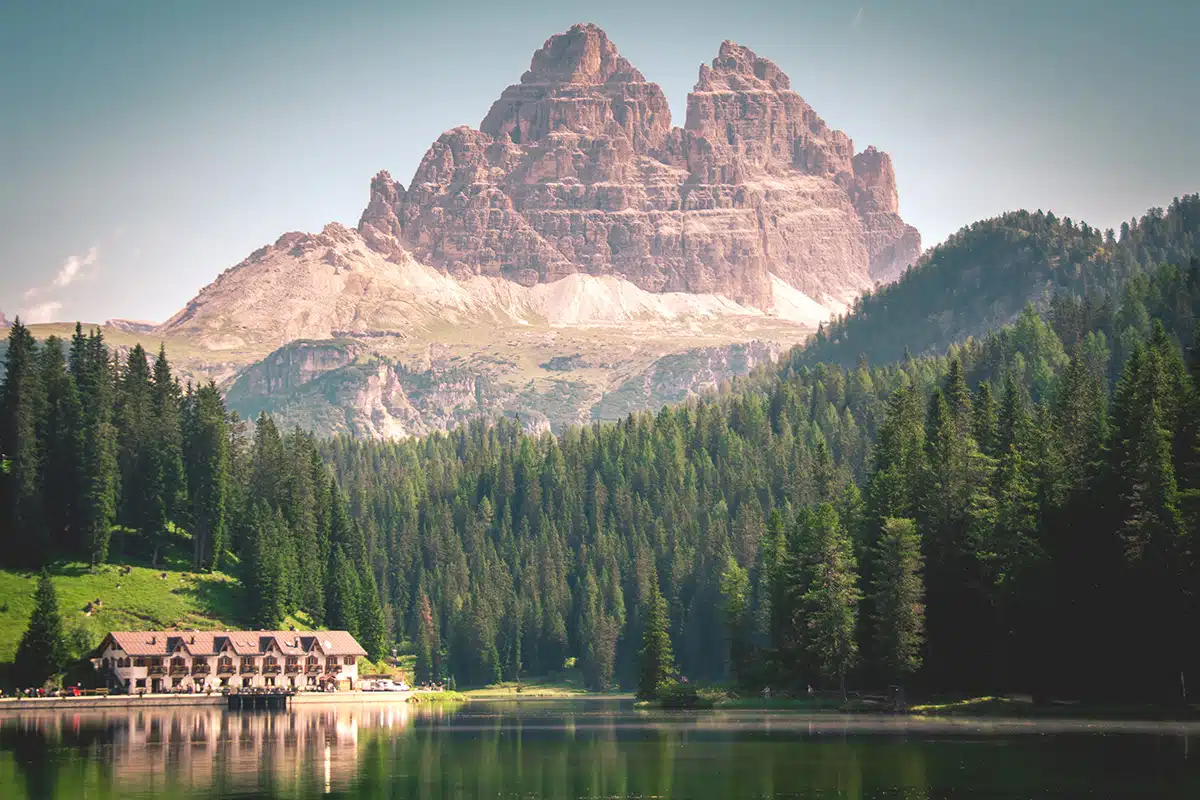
[(71, 270), (71, 267), (43, 312), (858, 17)]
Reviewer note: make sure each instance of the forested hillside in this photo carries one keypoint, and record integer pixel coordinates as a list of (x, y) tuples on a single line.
[(981, 277), (996, 518), (103, 456), (1019, 513)]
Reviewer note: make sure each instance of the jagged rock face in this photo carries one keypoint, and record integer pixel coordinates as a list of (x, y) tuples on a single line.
[(577, 169), (578, 83)]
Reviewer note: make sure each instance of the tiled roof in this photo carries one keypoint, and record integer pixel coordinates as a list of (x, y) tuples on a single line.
[(242, 643)]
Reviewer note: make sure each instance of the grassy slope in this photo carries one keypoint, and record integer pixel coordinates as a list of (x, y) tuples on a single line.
[(144, 600)]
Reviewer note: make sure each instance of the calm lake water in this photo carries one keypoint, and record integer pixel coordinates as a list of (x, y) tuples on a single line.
[(582, 749)]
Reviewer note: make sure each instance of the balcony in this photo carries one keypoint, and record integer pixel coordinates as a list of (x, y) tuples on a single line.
[(292, 669), (156, 669), (179, 669), (248, 669), (313, 668), (333, 669), (225, 669), (201, 669), (271, 669)]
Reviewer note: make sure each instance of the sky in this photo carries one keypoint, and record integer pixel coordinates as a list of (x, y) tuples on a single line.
[(145, 147)]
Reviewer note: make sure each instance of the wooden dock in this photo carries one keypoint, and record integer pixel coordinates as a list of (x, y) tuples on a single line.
[(274, 701)]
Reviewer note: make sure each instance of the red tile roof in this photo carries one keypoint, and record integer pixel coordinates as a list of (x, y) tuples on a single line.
[(242, 643)]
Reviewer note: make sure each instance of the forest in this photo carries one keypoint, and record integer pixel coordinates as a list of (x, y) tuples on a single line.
[(1018, 513), (104, 453)]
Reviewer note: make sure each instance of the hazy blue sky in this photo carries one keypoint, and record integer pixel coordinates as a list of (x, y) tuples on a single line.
[(147, 146)]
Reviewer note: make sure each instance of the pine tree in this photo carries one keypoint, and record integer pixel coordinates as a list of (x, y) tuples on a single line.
[(342, 601), (372, 631), (266, 578), (427, 668), (735, 595), (207, 460), (42, 653), (94, 377), (22, 398), (61, 434), (140, 485), (166, 441), (827, 592), (657, 661), (898, 599)]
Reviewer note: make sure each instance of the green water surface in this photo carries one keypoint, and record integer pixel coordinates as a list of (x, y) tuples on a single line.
[(583, 749)]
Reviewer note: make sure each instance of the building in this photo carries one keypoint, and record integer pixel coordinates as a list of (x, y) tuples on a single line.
[(181, 661)]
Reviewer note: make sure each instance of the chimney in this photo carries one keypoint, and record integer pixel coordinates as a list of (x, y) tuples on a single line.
[(153, 640)]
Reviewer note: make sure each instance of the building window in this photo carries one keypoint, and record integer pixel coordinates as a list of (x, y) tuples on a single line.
[(350, 661), (139, 662)]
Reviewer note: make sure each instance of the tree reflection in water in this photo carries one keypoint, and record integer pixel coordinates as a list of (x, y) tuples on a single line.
[(573, 750)]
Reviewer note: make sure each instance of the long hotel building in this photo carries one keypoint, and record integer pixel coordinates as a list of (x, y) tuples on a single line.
[(165, 661)]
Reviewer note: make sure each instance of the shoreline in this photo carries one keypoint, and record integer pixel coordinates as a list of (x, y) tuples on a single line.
[(164, 701)]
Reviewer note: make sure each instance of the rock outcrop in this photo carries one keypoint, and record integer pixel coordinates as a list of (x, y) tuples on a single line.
[(577, 169), (574, 258)]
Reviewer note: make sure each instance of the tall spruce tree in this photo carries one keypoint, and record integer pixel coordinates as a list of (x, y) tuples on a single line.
[(42, 653), (22, 398), (206, 449), (828, 593), (898, 600), (657, 659), (61, 435), (94, 377)]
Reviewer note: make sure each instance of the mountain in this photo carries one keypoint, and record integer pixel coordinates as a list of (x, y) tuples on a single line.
[(544, 264), (984, 275), (574, 258)]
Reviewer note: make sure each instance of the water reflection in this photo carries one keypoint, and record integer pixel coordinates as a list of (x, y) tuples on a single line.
[(578, 750)]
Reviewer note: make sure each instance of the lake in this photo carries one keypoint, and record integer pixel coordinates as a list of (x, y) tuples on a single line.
[(582, 749)]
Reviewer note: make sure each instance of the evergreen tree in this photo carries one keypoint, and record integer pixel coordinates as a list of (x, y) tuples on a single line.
[(898, 599), (61, 433), (207, 459), (266, 575), (657, 669), (21, 406), (42, 653), (167, 500), (828, 594), (94, 377)]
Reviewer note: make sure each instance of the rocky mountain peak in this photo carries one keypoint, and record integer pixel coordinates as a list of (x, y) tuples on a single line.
[(739, 68), (583, 54), (578, 83)]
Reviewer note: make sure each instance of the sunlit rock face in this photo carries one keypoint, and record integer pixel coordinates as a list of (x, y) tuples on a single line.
[(577, 169), (576, 255)]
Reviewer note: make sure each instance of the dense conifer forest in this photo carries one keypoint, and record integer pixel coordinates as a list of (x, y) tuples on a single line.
[(1020, 512), (984, 275)]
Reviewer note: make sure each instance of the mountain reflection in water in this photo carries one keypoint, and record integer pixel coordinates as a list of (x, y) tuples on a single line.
[(581, 750)]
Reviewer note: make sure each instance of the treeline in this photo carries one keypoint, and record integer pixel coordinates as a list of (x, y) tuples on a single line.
[(1006, 516), (983, 276), (101, 452)]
